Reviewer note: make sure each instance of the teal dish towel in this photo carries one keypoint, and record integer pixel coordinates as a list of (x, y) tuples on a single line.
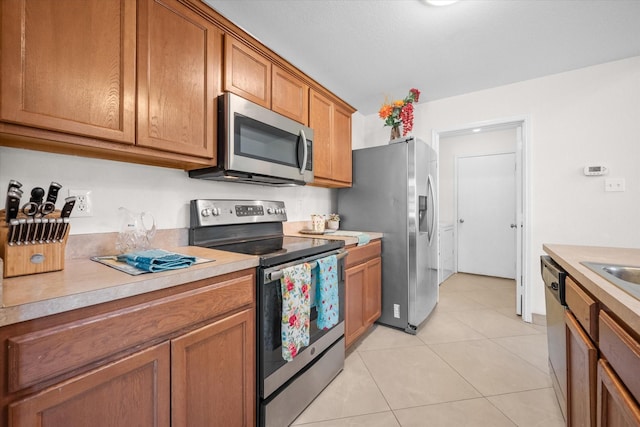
[(155, 260), (327, 292)]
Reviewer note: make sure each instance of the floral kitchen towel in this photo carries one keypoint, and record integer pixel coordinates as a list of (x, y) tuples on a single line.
[(327, 292), (296, 308)]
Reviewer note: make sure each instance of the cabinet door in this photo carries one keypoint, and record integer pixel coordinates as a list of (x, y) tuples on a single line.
[(289, 95), (133, 391), (355, 284), (246, 72), (581, 375), (179, 62), (341, 147), (373, 291), (321, 121), (69, 66), (213, 374), (616, 406)]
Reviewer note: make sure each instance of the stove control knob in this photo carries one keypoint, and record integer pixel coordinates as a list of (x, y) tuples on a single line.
[(283, 211), (216, 211), (270, 211), (206, 212)]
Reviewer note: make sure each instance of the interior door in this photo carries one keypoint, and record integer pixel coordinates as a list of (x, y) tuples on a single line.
[(487, 228)]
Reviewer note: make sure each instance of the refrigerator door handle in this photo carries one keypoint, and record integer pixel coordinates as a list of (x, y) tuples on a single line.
[(432, 196)]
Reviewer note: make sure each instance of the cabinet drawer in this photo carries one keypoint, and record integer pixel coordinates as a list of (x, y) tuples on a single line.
[(583, 307), (45, 354), (360, 254), (622, 352)]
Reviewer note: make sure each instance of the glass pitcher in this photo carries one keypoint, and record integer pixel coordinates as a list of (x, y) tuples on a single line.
[(134, 234)]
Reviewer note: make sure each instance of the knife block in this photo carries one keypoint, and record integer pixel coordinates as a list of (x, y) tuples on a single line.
[(31, 258)]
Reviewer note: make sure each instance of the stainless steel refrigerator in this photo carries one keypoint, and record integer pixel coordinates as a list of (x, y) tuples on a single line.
[(394, 192)]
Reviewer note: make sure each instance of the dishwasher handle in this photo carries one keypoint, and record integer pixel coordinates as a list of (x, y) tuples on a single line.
[(554, 278)]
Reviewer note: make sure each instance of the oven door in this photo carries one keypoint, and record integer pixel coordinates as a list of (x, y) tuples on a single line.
[(262, 142), (273, 370)]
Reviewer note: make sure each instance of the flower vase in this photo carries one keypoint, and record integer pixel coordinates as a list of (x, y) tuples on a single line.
[(395, 132)]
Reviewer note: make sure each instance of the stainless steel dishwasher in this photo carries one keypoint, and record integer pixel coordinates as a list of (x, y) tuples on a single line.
[(554, 292)]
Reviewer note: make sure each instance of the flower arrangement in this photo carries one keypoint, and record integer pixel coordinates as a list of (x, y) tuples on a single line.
[(334, 217), (400, 112)]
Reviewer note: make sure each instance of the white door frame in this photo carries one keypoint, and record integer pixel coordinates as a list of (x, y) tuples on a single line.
[(523, 159)]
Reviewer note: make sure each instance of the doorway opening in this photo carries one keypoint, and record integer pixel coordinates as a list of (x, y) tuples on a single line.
[(484, 139)]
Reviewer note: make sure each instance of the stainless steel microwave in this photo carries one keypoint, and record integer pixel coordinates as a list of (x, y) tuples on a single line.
[(259, 146)]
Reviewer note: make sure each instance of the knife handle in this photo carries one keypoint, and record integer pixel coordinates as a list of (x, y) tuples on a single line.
[(12, 206), (52, 194), (37, 194), (69, 203), (14, 185)]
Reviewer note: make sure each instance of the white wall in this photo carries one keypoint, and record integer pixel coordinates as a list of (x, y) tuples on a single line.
[(589, 116), (477, 144), (163, 192)]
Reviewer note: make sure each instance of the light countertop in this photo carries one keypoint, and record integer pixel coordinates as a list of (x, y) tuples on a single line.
[(569, 257), (84, 282), (292, 228)]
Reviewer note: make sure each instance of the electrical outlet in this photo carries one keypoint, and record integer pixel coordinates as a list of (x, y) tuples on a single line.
[(614, 184), (83, 206), (396, 311)]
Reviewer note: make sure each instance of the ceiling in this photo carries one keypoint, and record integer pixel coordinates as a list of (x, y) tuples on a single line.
[(367, 50)]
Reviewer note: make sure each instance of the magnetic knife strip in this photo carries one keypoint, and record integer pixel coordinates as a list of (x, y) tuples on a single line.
[(37, 230)]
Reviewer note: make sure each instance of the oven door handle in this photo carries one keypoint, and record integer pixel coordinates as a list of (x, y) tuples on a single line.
[(276, 273)]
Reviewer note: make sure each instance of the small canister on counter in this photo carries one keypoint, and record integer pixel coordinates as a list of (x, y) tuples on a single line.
[(317, 223)]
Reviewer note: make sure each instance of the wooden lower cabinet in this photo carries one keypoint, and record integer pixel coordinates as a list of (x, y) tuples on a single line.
[(363, 283), (616, 406), (582, 356), (212, 375), (131, 391), (182, 356)]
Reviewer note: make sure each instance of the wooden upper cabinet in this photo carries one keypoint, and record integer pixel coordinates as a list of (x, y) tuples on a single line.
[(342, 164), (332, 141), (69, 66), (179, 57), (321, 121), (289, 95), (246, 72)]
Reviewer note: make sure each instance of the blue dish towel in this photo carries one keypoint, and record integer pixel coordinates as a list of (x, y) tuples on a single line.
[(327, 292), (155, 260)]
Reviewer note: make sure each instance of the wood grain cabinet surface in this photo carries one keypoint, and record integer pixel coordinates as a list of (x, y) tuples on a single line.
[(69, 66), (331, 124), (246, 72), (363, 283), (121, 80), (179, 57), (181, 356), (582, 356), (603, 361), (289, 95)]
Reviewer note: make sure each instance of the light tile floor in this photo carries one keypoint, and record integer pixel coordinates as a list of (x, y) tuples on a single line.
[(472, 363)]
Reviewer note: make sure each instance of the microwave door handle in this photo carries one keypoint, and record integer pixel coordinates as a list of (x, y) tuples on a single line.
[(304, 152)]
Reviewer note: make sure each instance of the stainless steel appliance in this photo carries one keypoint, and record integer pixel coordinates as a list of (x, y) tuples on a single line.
[(394, 192), (259, 146), (554, 292), (253, 227)]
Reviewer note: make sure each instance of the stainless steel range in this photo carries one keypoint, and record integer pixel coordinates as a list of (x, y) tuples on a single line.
[(254, 227)]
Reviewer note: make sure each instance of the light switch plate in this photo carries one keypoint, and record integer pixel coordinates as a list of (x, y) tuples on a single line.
[(614, 184)]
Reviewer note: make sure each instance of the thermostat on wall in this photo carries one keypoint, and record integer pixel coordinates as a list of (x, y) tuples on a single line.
[(595, 170)]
